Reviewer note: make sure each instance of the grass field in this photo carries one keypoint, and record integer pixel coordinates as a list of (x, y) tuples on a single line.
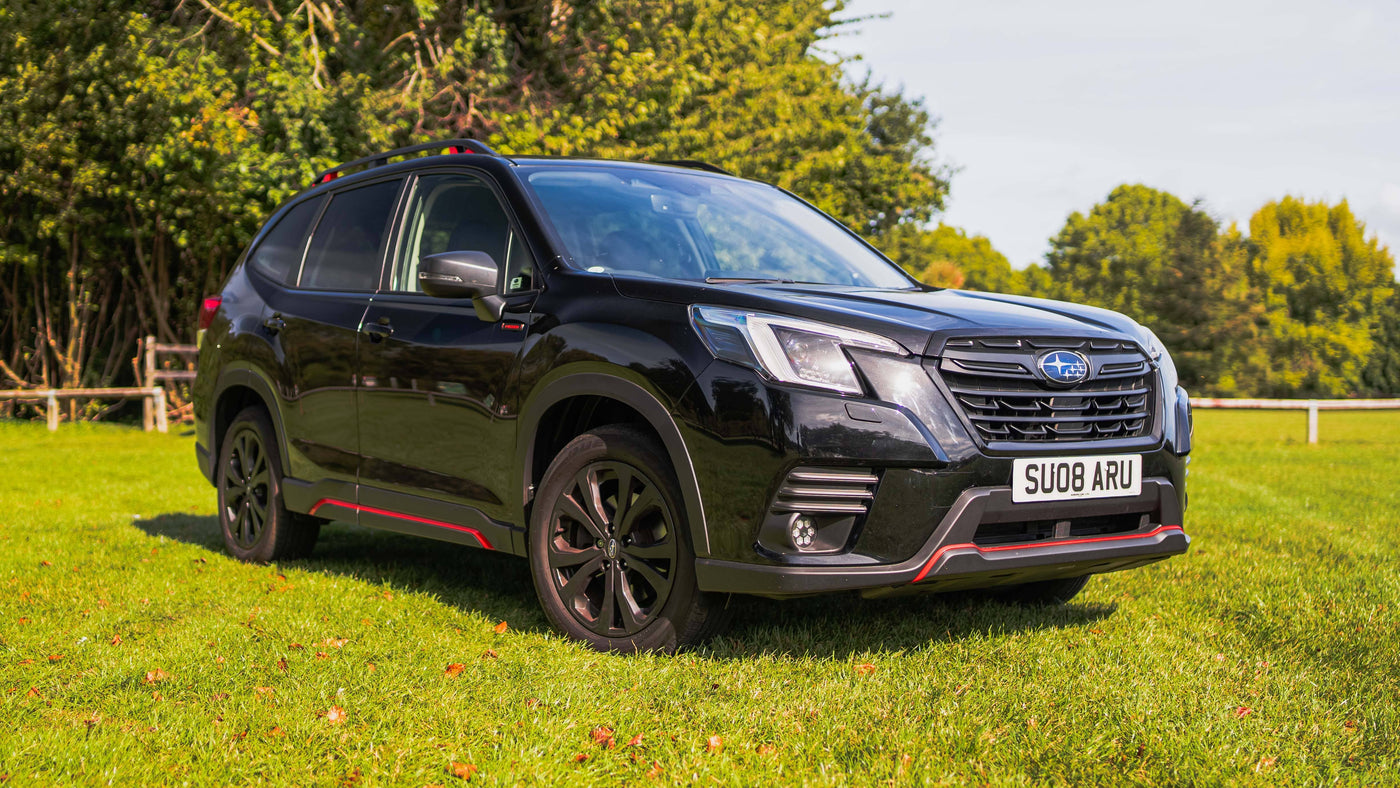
[(133, 650)]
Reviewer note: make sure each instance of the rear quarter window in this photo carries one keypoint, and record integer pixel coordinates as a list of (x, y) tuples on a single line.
[(278, 255)]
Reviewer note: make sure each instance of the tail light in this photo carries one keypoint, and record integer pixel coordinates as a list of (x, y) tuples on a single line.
[(207, 310)]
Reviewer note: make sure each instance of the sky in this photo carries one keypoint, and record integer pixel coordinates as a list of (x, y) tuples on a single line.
[(1045, 107)]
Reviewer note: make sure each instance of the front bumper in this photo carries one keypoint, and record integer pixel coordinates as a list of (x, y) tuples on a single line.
[(951, 558)]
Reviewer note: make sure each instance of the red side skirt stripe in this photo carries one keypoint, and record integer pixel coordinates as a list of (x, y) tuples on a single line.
[(347, 505), (1037, 545)]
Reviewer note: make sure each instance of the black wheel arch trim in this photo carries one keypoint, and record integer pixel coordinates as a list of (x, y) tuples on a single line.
[(640, 399), (245, 375)]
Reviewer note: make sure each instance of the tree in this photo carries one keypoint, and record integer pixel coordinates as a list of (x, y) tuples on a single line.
[(1148, 254), (142, 143), (1324, 285), (1381, 376), (930, 254)]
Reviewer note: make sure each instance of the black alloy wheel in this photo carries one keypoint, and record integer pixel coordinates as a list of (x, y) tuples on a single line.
[(246, 487), (610, 547), (256, 524), (613, 552)]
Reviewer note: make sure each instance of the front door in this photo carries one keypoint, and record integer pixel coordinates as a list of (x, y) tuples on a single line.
[(434, 439)]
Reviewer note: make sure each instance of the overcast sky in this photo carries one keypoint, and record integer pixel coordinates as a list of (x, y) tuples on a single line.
[(1045, 107)]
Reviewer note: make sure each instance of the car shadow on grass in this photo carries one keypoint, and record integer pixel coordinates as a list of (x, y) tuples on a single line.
[(499, 587)]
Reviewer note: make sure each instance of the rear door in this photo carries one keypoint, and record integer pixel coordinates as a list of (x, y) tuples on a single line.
[(317, 324), (436, 440)]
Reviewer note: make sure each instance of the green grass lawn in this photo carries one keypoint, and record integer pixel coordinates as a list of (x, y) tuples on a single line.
[(133, 650)]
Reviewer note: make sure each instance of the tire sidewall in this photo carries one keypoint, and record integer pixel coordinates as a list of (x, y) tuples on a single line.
[(630, 447)]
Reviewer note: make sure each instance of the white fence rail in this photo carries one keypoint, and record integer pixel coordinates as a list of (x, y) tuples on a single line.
[(1312, 406)]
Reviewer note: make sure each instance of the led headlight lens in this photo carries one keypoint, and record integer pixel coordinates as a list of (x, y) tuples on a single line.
[(787, 348)]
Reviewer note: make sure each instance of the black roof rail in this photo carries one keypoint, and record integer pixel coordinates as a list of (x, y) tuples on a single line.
[(695, 165), (381, 159)]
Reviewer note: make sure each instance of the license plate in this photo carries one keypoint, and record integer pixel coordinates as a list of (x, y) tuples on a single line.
[(1071, 478)]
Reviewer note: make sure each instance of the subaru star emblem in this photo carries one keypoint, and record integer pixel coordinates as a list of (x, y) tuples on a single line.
[(1064, 367)]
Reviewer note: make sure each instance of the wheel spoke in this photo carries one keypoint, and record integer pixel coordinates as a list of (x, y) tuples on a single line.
[(632, 614), (624, 497), (560, 557), (647, 500), (573, 510), (580, 579), (650, 552), (604, 623), (653, 578), (592, 502), (244, 524)]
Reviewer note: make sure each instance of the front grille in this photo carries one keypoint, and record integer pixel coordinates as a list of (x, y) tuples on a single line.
[(995, 382), (826, 491)]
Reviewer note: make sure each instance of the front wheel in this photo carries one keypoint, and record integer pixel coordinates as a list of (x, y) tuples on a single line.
[(256, 524), (610, 550)]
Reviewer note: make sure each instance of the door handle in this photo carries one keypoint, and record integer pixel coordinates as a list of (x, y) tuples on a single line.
[(274, 323), (377, 331)]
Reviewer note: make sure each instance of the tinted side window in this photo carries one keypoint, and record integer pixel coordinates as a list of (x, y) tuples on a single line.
[(459, 213), (279, 254), (346, 248)]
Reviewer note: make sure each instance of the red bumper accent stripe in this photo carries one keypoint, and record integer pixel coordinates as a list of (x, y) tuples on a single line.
[(1036, 545), (347, 505)]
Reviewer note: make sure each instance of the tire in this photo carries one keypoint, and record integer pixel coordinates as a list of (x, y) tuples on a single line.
[(622, 582), (252, 516), (1042, 592)]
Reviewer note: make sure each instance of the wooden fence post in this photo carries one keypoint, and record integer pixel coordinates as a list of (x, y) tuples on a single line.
[(1312, 421), (53, 411), (158, 402), (148, 347)]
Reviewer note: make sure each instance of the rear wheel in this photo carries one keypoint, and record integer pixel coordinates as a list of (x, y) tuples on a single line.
[(1042, 592), (256, 524), (610, 551)]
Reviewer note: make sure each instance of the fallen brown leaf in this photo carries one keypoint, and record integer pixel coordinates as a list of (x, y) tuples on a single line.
[(155, 695), (282, 664), (714, 744), (322, 655), (23, 620), (455, 668), (32, 693), (635, 741), (25, 662), (265, 692), (153, 676), (602, 736), (116, 640), (499, 628), (46, 563), (580, 757), (335, 715), (276, 731), (335, 642), (297, 645), (55, 657), (655, 770), (489, 653), (767, 749), (1243, 711), (462, 770), (1265, 763), (865, 669), (369, 666)]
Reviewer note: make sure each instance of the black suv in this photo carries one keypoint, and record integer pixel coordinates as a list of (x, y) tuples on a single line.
[(663, 385)]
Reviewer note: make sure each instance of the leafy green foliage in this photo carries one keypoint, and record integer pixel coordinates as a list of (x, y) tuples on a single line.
[(1324, 285), (142, 145), (947, 256)]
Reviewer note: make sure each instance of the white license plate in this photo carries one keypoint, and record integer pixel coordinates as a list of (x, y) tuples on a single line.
[(1070, 478)]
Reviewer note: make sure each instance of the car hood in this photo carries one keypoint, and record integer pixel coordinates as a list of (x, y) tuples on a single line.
[(919, 320)]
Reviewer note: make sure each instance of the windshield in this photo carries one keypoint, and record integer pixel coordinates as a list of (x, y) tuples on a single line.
[(678, 225)]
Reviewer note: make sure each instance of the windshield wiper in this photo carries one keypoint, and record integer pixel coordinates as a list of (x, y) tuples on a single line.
[(747, 280)]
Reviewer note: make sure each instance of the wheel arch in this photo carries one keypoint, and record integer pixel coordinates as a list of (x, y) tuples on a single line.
[(237, 389), (575, 403)]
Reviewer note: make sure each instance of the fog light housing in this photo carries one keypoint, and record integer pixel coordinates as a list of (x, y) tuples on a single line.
[(804, 532)]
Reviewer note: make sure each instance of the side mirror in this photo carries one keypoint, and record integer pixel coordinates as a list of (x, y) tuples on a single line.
[(471, 275)]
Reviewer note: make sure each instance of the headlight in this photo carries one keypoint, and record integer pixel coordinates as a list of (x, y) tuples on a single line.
[(787, 348)]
